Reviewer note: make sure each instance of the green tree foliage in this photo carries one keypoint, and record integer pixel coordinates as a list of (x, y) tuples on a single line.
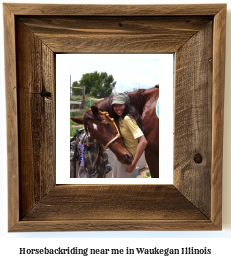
[(103, 86), (99, 85), (76, 91), (88, 80)]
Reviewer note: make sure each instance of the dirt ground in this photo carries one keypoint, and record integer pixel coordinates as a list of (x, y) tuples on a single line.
[(142, 172)]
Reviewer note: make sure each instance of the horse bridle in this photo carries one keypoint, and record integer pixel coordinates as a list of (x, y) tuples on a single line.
[(106, 114), (118, 132)]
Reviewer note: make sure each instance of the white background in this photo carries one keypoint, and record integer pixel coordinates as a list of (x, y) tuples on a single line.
[(218, 241)]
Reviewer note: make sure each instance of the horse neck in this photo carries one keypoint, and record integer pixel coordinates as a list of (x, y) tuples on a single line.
[(137, 100), (145, 95), (105, 105)]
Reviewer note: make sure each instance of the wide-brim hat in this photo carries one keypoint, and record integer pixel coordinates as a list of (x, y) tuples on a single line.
[(120, 98)]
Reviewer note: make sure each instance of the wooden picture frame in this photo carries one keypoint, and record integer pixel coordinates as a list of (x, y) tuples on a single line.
[(33, 34)]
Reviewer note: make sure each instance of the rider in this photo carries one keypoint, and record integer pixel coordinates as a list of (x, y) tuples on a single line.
[(130, 125)]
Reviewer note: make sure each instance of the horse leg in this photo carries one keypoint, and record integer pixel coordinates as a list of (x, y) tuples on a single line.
[(153, 163)]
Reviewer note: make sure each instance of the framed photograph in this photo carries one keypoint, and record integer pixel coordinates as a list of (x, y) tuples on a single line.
[(34, 36), (131, 72)]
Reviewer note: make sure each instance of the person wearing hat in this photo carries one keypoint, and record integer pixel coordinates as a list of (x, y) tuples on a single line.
[(130, 125)]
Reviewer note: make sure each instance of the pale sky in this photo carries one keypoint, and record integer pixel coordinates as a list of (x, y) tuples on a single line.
[(129, 70)]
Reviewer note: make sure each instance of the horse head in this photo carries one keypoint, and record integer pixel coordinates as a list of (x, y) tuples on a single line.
[(103, 128)]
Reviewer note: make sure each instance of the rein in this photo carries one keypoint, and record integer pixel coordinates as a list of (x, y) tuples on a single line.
[(106, 114), (99, 154)]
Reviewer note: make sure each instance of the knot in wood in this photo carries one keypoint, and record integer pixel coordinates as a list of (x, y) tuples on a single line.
[(198, 158), (45, 94)]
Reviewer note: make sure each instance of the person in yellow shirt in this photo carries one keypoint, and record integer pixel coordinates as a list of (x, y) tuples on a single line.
[(130, 125)]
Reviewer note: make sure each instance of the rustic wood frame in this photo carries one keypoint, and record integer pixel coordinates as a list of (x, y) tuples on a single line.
[(33, 34)]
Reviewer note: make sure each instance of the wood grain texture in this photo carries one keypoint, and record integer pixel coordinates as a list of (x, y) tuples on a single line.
[(11, 116), (35, 66), (115, 10), (114, 34), (114, 225), (193, 126), (218, 114), (92, 208), (194, 201), (98, 202)]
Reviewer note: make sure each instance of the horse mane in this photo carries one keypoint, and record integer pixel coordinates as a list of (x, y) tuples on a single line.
[(137, 98)]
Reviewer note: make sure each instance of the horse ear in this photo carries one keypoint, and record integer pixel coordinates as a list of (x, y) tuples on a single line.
[(77, 120), (95, 109)]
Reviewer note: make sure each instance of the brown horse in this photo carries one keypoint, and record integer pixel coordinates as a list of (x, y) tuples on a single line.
[(103, 129)]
